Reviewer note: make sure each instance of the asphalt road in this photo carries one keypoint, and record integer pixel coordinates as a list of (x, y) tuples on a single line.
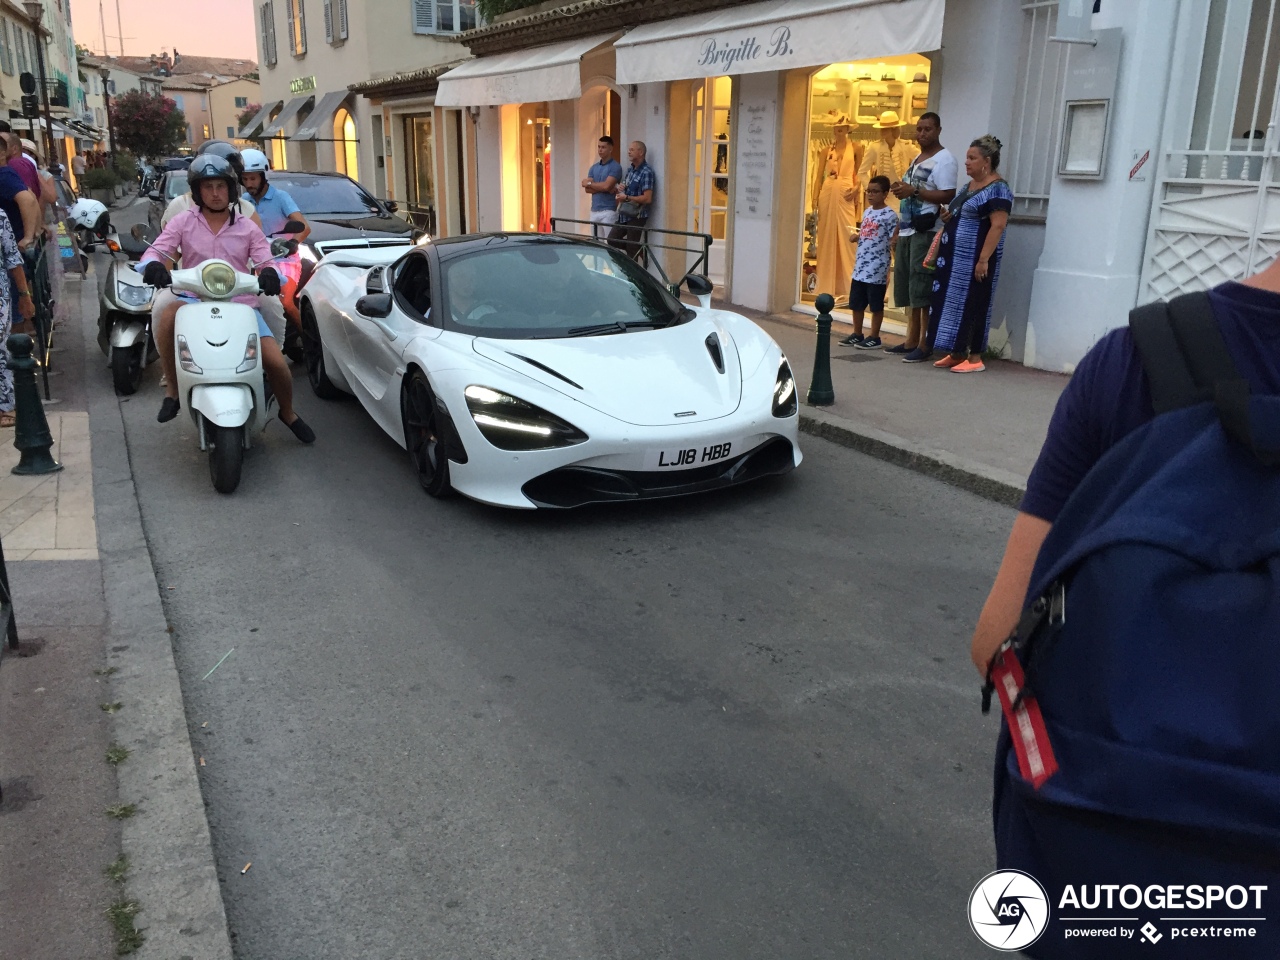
[(734, 726)]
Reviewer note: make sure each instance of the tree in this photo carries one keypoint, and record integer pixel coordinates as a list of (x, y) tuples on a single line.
[(147, 125), (247, 114)]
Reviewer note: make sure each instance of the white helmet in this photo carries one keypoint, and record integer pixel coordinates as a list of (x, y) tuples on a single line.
[(255, 161), (90, 214)]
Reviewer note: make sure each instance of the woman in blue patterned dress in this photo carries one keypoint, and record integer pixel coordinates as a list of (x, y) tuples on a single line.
[(968, 260), (17, 285)]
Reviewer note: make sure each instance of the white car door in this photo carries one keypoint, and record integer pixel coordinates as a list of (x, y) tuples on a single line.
[(377, 344)]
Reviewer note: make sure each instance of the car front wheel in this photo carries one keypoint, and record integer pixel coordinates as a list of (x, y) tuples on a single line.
[(422, 435)]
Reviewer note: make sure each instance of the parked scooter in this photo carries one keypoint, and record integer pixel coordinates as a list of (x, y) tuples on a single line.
[(221, 379), (124, 302)]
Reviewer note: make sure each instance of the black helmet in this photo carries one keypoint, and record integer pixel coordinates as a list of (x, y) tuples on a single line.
[(227, 151), (212, 167)]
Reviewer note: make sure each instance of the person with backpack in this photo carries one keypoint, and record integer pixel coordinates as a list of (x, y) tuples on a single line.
[(1132, 633)]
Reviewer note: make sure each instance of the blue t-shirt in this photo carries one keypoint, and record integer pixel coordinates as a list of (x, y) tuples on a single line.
[(1108, 396), (11, 184), (599, 173), (274, 207)]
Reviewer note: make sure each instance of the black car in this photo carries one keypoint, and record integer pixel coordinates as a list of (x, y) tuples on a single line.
[(342, 214)]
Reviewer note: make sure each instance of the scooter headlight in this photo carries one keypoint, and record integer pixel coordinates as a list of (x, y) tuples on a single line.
[(250, 355), (510, 423), (219, 279), (134, 296), (785, 401), (184, 357)]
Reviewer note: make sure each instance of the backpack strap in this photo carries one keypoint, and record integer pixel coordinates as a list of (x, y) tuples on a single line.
[(1187, 362)]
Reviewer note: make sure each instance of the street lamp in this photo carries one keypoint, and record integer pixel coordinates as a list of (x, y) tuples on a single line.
[(104, 72), (35, 10)]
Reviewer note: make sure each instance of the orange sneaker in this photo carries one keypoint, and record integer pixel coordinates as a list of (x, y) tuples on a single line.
[(969, 366), (947, 361)]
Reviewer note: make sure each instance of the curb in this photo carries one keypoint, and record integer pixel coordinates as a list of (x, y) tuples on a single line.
[(990, 483), (172, 873)]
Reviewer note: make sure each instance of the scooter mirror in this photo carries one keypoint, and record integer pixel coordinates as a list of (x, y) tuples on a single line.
[(154, 195), (143, 233), (293, 226), (283, 248)]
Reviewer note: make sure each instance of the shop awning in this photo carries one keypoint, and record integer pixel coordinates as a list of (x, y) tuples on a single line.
[(549, 72), (288, 113), (250, 129), (322, 116), (777, 35)]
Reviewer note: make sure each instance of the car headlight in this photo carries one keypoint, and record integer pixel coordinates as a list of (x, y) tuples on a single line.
[(219, 279), (134, 296), (306, 252), (185, 359), (250, 355), (510, 423), (785, 401)]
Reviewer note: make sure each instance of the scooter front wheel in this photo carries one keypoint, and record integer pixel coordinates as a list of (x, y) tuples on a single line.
[(126, 368), (226, 455)]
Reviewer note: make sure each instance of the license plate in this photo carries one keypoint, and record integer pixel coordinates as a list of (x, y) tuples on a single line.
[(691, 457)]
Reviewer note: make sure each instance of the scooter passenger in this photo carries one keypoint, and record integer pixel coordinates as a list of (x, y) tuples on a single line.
[(275, 208), (212, 229)]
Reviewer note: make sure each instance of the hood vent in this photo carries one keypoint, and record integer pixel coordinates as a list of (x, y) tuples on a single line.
[(717, 355), (545, 369)]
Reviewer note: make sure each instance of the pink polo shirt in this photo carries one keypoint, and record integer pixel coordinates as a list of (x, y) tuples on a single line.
[(240, 242)]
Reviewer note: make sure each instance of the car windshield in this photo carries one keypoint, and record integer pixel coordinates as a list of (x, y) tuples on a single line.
[(540, 290), (175, 184), (317, 196)]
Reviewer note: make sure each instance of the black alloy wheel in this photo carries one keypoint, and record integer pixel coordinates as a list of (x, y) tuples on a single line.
[(313, 354), (422, 435)]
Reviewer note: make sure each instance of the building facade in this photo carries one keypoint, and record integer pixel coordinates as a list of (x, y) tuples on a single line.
[(312, 51)]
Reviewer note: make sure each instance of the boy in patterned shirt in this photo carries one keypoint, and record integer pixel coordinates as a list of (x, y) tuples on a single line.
[(875, 240)]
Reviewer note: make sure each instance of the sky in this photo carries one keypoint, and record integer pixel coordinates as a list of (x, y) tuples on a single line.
[(206, 28)]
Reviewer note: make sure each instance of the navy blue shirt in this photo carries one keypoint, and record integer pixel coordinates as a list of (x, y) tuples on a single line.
[(634, 183), (12, 184), (1108, 396)]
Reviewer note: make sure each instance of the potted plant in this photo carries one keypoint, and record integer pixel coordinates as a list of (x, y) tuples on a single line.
[(100, 183)]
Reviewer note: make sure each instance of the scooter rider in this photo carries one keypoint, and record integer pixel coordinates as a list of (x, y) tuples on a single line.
[(213, 230), (185, 201), (275, 208)]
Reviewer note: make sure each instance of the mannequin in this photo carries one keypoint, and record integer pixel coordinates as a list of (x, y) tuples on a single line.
[(890, 156), (838, 214)]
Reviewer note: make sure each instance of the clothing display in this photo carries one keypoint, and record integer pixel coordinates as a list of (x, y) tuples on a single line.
[(837, 219)]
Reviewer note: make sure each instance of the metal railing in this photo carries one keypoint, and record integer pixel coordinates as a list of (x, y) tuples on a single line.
[(421, 215), (642, 250)]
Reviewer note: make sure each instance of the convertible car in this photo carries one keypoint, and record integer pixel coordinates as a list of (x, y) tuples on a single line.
[(537, 370)]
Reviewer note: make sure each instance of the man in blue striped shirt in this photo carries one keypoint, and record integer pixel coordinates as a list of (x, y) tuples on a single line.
[(635, 200)]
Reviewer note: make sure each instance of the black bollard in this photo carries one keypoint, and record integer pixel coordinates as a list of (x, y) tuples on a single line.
[(31, 429), (821, 392)]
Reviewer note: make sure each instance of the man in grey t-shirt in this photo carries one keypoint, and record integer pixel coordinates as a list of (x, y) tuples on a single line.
[(602, 182), (929, 182)]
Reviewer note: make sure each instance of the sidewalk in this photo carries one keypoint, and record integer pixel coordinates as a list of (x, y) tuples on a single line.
[(95, 674), (978, 431)]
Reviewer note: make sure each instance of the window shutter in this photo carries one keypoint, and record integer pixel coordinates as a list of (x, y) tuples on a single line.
[(271, 28), (302, 27), (293, 28), (328, 21), (424, 20), (342, 19)]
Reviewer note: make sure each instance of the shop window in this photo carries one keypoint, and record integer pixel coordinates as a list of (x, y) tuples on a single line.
[(535, 168), (279, 157), (346, 144), (709, 178), (853, 108), (418, 154)]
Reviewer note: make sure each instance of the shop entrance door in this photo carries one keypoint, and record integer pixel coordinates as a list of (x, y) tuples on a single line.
[(419, 182), (711, 162)]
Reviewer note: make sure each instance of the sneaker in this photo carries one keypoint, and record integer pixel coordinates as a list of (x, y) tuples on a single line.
[(917, 356), (871, 343), (969, 366), (948, 362), (900, 348), (852, 340)]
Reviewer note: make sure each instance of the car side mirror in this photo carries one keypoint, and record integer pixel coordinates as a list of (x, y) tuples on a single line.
[(392, 206), (700, 287), (154, 195), (374, 305)]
